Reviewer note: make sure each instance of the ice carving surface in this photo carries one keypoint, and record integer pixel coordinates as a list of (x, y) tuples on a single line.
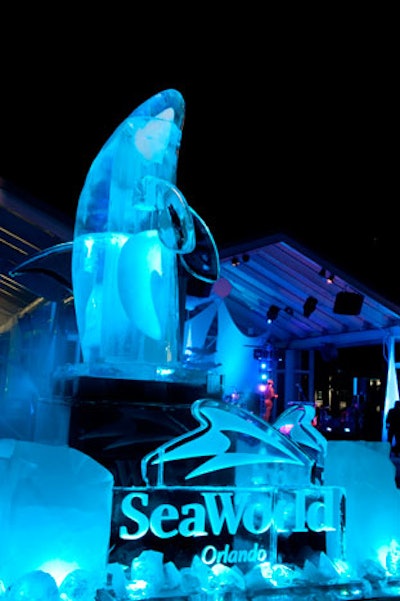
[(234, 492), (131, 224), (35, 586), (55, 511), (145, 310), (132, 227), (365, 470), (229, 438), (296, 422)]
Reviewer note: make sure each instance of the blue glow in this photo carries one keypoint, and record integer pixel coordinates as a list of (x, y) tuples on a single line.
[(58, 503), (132, 224), (390, 558), (59, 569), (133, 230), (33, 585), (217, 419)]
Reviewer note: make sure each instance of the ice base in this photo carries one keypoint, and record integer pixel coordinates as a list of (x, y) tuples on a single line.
[(315, 582), (200, 584), (177, 373)]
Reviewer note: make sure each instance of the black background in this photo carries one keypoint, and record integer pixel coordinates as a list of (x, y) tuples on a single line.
[(291, 116)]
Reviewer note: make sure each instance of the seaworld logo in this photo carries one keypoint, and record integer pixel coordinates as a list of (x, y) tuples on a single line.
[(229, 513), (231, 437), (260, 484)]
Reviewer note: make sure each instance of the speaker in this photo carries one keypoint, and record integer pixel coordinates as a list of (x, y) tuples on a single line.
[(348, 303)]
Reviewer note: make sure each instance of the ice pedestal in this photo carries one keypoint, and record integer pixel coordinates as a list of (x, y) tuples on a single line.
[(55, 511), (365, 470)]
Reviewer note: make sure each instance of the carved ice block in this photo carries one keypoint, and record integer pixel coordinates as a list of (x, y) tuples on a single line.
[(55, 511)]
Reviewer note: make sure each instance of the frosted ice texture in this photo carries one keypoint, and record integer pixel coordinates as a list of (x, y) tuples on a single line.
[(131, 224), (36, 585), (55, 511), (366, 472)]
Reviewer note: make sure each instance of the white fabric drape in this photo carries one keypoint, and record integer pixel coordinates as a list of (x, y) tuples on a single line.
[(392, 387), (235, 352)]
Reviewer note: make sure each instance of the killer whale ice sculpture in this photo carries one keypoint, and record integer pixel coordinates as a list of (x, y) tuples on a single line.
[(132, 225), (136, 240)]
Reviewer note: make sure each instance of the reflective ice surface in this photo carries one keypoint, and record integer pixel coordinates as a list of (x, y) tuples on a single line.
[(132, 224), (234, 477), (232, 506), (228, 438), (296, 422), (55, 511)]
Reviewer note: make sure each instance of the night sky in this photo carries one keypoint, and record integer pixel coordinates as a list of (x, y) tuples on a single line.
[(287, 133)]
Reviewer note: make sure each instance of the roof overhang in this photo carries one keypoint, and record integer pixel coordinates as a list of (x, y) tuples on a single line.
[(277, 271)]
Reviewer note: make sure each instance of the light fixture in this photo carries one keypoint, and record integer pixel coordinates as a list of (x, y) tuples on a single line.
[(272, 313), (235, 261), (309, 306), (324, 274)]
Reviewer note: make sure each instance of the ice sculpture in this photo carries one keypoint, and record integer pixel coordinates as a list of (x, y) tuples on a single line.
[(373, 509), (228, 437), (235, 491), (55, 511), (222, 508), (296, 422), (132, 223)]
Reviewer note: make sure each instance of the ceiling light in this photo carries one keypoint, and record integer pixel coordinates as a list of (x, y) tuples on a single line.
[(324, 274), (272, 313)]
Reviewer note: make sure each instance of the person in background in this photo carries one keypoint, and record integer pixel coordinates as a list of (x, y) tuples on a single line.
[(269, 397), (393, 427)]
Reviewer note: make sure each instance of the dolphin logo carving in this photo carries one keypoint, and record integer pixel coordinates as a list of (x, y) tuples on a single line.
[(216, 443)]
